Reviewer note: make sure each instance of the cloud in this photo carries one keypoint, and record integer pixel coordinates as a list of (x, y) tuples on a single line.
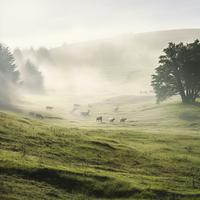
[(26, 23)]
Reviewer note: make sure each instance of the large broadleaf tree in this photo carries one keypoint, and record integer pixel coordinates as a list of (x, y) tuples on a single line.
[(178, 72)]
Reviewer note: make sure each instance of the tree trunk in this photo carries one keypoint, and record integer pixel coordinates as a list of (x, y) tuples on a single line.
[(189, 99), (179, 84), (184, 97)]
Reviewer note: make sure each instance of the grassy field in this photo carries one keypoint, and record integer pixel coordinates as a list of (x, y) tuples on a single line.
[(154, 155)]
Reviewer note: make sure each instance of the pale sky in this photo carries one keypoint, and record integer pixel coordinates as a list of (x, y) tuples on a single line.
[(50, 23)]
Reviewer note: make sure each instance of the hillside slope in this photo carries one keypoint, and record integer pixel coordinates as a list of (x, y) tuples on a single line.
[(42, 161)]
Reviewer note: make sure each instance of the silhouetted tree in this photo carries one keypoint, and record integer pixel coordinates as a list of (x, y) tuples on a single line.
[(7, 66), (32, 78), (9, 77), (178, 72)]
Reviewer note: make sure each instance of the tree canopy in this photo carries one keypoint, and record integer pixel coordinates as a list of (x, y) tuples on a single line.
[(7, 65), (32, 78), (178, 72), (9, 77)]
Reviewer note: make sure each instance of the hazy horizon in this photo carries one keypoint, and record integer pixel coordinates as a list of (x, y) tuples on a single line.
[(34, 23), (91, 50)]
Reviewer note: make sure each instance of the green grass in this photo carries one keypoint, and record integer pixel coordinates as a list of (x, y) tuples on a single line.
[(155, 155)]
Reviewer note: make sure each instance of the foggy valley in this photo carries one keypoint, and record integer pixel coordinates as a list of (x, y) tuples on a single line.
[(93, 71), (99, 100)]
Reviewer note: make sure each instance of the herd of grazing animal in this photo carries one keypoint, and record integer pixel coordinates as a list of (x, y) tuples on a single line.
[(83, 114), (36, 115), (111, 119), (98, 118)]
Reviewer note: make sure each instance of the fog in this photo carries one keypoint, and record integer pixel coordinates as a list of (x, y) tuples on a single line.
[(8, 93), (87, 51), (92, 71), (50, 23)]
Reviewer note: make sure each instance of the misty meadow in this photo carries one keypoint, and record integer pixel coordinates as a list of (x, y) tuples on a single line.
[(99, 100)]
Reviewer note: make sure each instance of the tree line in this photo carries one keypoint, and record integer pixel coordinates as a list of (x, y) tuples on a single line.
[(178, 72), (14, 76)]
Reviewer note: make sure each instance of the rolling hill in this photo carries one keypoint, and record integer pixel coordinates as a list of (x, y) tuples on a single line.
[(140, 159)]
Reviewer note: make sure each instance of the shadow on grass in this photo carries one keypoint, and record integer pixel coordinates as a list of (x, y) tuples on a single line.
[(92, 185)]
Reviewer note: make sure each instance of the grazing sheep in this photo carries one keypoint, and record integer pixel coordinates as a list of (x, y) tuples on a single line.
[(39, 116), (99, 119), (123, 119), (32, 114), (76, 105), (111, 119), (116, 109), (49, 107), (85, 114)]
